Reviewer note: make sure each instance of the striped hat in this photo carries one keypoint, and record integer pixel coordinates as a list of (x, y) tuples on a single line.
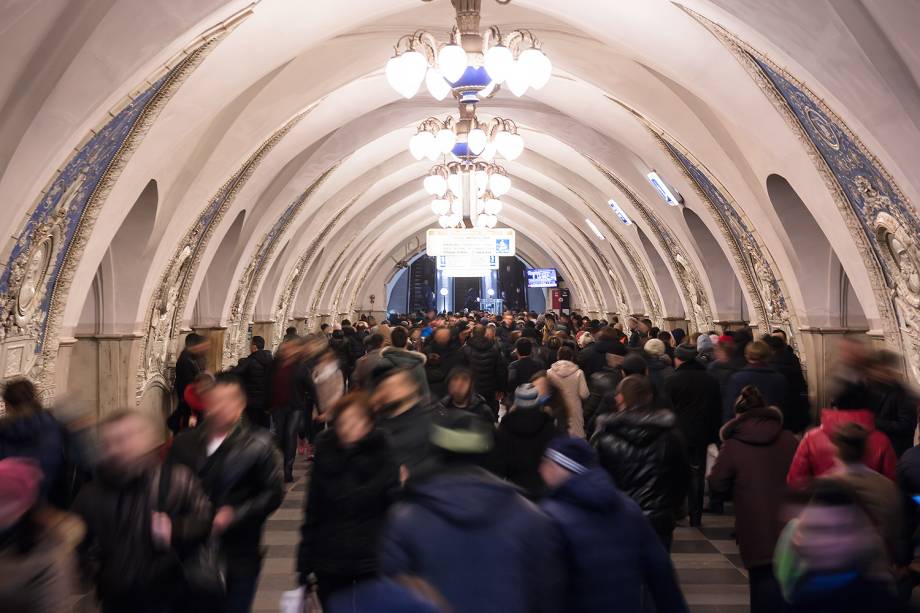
[(571, 453)]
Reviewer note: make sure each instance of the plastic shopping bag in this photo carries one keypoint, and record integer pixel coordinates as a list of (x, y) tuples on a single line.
[(300, 601)]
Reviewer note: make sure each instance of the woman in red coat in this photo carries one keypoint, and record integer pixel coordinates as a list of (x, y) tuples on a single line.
[(817, 454)]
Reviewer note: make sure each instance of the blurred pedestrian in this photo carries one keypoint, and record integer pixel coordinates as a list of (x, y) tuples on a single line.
[(522, 437), (241, 472), (354, 477), (403, 415), (642, 449), (190, 363), (505, 556), (756, 372), (892, 402), (461, 397), (569, 380), (138, 531), (361, 377), (255, 370), (293, 399), (751, 470), (603, 529)]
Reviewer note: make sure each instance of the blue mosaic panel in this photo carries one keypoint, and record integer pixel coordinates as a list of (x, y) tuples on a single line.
[(741, 235), (846, 160), (83, 172)]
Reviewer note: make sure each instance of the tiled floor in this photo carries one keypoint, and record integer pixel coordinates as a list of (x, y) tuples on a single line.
[(706, 559)]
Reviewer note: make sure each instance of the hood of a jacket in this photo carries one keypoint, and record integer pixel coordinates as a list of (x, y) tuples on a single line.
[(403, 357), (605, 345), (641, 427), (659, 363), (755, 427), (591, 490), (831, 419), (525, 422), (27, 428), (564, 368), (470, 498), (480, 343)]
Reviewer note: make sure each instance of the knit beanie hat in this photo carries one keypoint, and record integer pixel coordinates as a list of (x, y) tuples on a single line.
[(654, 347), (685, 353), (571, 453), (19, 481), (526, 396), (703, 343)]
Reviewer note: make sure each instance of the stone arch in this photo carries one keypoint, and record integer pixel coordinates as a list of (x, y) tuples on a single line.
[(729, 304)]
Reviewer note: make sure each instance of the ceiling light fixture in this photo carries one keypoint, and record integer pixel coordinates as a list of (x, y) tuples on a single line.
[(669, 195), (594, 229), (619, 212)]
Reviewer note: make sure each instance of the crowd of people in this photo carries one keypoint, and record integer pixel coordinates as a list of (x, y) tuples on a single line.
[(471, 462)]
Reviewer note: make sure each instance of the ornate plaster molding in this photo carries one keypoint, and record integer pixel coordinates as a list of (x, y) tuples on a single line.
[(244, 298), (36, 282), (696, 302), (881, 220), (167, 305)]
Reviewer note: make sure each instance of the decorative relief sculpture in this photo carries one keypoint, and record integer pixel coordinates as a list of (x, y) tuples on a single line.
[(881, 220)]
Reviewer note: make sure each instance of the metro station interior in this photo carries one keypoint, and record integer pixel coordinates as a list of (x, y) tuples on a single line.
[(238, 167)]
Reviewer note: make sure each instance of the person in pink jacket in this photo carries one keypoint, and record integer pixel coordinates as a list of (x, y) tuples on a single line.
[(565, 375), (816, 454)]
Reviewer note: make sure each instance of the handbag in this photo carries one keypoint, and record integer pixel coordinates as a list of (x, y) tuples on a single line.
[(200, 567)]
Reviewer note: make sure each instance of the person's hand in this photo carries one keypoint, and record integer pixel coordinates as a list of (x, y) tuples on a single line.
[(161, 531), (222, 520)]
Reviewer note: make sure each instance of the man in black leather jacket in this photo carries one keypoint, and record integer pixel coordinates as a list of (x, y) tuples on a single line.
[(256, 370), (240, 469), (642, 449)]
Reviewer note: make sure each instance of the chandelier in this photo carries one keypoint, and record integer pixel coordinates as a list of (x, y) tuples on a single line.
[(466, 138), (471, 65), (482, 182)]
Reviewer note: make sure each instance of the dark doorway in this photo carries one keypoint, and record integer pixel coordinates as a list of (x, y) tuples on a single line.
[(421, 284), (512, 284), (466, 293)]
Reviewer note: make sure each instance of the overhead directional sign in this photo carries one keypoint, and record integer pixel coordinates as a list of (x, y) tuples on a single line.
[(482, 262), (470, 242)]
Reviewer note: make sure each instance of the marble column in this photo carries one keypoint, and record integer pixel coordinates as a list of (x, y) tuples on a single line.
[(265, 330), (819, 345), (671, 323), (102, 371), (727, 325), (215, 355)]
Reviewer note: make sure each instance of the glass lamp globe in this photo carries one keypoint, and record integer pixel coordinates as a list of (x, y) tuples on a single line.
[(492, 206), (488, 154), (420, 144), (477, 141), (435, 185), (437, 86), (452, 62), (455, 184), (406, 72), (499, 184), (509, 145), (444, 221), (498, 62), (518, 79), (444, 291), (482, 180), (537, 66), (446, 140)]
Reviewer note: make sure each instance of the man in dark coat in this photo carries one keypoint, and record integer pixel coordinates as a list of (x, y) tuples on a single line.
[(593, 358), (404, 415), (398, 355), (795, 406), (892, 402), (189, 364), (521, 439), (503, 554), (751, 470), (770, 384), (293, 398), (255, 371), (461, 397), (523, 369), (485, 359), (603, 528), (642, 449), (694, 396), (240, 470)]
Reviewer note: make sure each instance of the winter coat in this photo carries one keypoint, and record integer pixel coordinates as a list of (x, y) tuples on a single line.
[(771, 384), (243, 473), (329, 382), (593, 358), (795, 406), (350, 491), (361, 376), (476, 405), (881, 500), (604, 529), (413, 360), (659, 370), (694, 396), (485, 359), (751, 469), (292, 387), (816, 453), (37, 563), (570, 383), (118, 548), (721, 371), (504, 554), (643, 451), (521, 371), (355, 344), (408, 435), (895, 409), (908, 473), (255, 371), (436, 376), (602, 385), (520, 442), (188, 366), (38, 436)]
